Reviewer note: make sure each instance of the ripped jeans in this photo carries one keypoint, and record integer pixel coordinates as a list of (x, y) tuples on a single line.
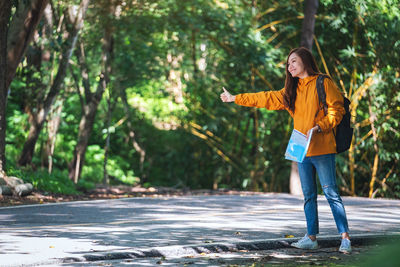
[(324, 165)]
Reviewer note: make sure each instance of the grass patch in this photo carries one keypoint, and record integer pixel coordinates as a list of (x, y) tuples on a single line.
[(57, 182)]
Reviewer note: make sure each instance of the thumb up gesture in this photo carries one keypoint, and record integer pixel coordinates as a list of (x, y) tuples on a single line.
[(226, 96)]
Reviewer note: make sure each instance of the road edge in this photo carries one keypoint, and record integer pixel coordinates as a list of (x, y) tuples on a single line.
[(193, 250)]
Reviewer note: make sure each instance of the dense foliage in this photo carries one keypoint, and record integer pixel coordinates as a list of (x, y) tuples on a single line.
[(169, 61)]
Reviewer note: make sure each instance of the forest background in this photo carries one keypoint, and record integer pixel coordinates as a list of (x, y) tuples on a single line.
[(127, 92)]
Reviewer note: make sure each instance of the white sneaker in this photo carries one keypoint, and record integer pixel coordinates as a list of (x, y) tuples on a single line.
[(345, 246), (305, 243)]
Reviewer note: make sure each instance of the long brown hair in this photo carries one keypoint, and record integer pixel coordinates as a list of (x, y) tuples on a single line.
[(291, 82)]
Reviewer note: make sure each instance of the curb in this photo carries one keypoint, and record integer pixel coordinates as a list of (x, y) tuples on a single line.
[(267, 244)]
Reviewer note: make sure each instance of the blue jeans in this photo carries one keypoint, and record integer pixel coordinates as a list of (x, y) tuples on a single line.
[(324, 165)]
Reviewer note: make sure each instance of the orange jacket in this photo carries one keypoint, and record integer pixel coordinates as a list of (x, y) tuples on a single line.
[(306, 106)]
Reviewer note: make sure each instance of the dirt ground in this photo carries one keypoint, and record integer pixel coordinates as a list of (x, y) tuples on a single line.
[(111, 192)]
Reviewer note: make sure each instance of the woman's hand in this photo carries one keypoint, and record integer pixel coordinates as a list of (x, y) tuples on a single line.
[(315, 129), (226, 96)]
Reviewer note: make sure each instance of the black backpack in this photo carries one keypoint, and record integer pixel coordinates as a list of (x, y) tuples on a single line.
[(344, 133)]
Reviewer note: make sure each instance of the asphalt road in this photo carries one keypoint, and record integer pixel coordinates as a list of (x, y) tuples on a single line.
[(49, 234)]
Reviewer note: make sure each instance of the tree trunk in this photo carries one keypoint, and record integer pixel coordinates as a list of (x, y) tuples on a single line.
[(106, 179), (133, 136), (5, 13), (29, 146), (295, 184), (254, 153), (194, 59), (40, 116), (372, 119), (85, 129), (310, 9), (52, 128), (92, 100), (21, 30)]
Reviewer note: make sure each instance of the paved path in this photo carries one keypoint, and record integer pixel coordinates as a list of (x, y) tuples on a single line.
[(46, 234)]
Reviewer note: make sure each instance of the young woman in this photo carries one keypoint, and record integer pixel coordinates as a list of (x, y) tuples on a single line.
[(299, 97)]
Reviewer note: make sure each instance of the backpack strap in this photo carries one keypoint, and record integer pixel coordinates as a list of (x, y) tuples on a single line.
[(321, 93), (322, 96)]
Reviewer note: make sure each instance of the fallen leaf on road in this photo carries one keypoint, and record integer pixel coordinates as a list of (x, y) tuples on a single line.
[(289, 236), (51, 246)]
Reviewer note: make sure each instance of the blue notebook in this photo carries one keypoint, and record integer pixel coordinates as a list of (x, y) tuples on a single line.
[(298, 146)]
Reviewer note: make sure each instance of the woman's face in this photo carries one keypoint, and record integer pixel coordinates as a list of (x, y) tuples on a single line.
[(296, 67)]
